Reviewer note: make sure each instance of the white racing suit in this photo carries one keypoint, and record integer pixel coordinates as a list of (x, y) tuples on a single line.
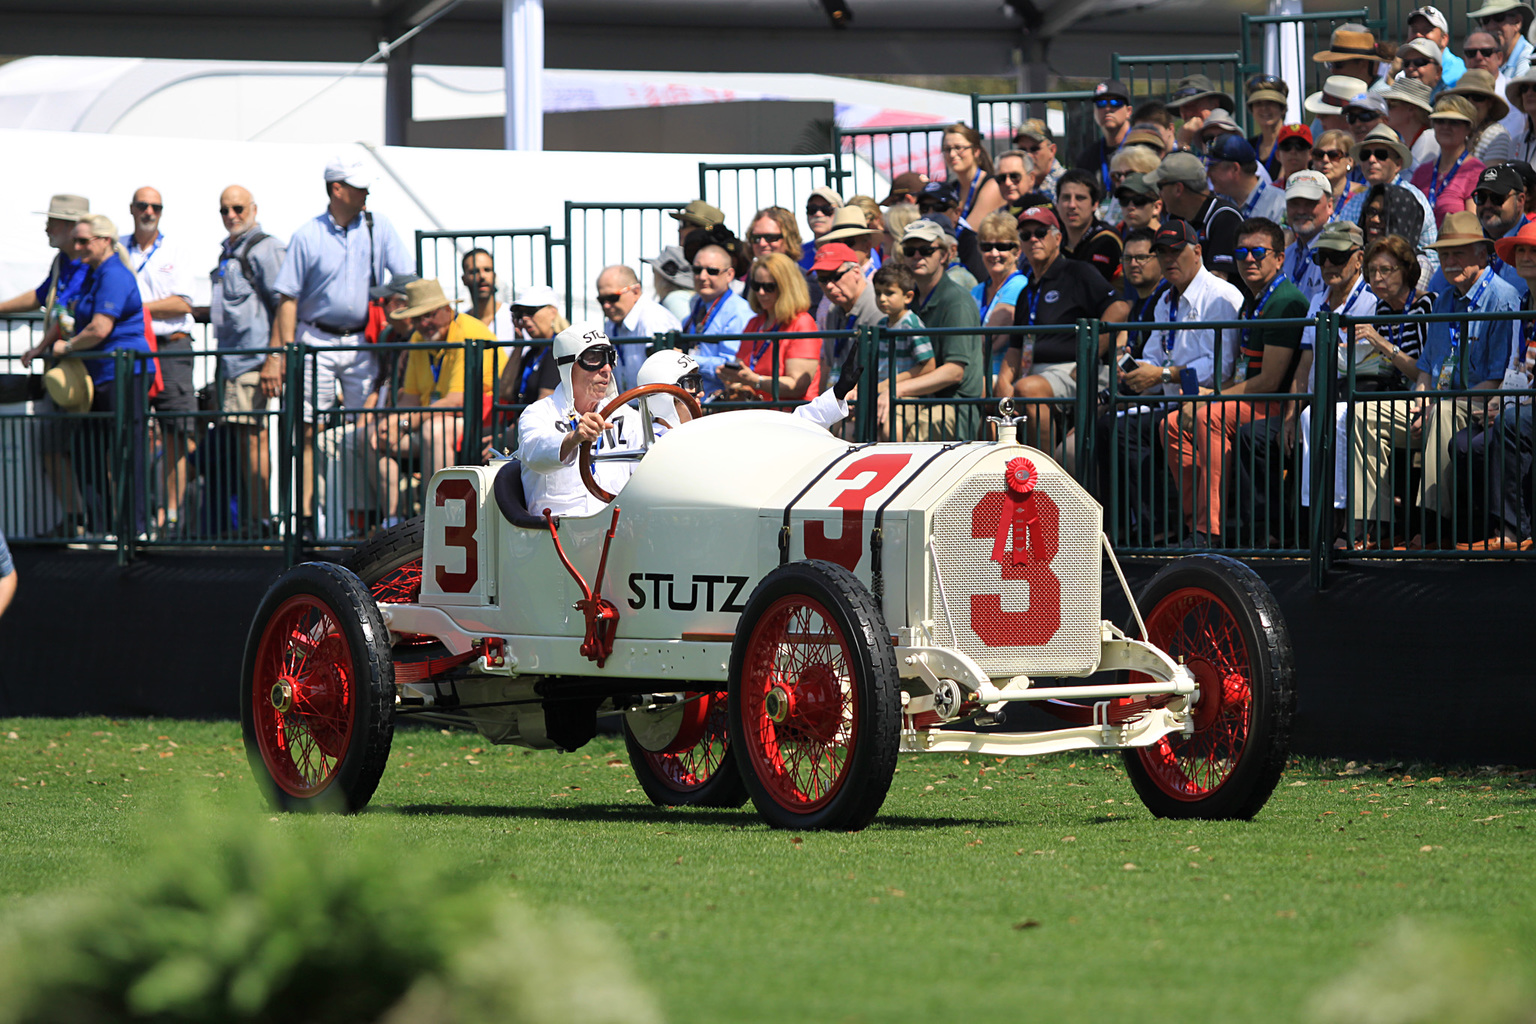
[(554, 483)]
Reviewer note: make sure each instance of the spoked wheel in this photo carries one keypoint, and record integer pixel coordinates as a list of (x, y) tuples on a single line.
[(1218, 617), (389, 565), (317, 691), (682, 756), (815, 701)]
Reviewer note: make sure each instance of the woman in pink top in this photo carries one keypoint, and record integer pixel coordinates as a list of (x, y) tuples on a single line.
[(1450, 182), (778, 295)]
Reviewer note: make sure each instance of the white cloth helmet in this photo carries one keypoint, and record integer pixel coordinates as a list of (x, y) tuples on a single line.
[(669, 366), (569, 344)]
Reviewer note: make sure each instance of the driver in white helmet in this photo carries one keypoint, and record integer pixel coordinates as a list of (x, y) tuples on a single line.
[(551, 430)]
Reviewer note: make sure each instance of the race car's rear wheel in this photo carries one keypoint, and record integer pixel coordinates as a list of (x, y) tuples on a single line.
[(1216, 616), (389, 563), (317, 691), (814, 699), (696, 767)]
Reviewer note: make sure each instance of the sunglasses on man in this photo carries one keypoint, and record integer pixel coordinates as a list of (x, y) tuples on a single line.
[(1333, 257), (1482, 51), (1255, 252), (1294, 146), (1034, 234), (1419, 62), (1013, 177), (1361, 116), (818, 210), (702, 271), (597, 357), (1109, 102), (237, 209), (1137, 200), (1381, 156), (693, 383), (826, 277), (140, 207), (1483, 197), (912, 252)]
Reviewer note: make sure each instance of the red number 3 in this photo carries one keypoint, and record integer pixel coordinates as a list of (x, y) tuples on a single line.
[(847, 548), (1040, 621), (461, 537)]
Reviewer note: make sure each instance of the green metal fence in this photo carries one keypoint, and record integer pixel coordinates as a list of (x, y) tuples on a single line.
[(601, 234), (1305, 75), (1156, 76), (522, 257), (740, 190), (866, 159), (998, 117), (1341, 471)]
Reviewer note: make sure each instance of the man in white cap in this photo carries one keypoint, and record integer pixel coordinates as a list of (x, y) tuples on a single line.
[(551, 431), (332, 262), (1429, 23), (1327, 104), (1422, 61), (1308, 206)]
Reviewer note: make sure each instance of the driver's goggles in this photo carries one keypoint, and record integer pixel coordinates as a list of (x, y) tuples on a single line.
[(597, 357), (693, 383)]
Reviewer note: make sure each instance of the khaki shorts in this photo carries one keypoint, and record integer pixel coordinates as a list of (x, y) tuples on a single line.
[(243, 395), (925, 423), (1060, 376)]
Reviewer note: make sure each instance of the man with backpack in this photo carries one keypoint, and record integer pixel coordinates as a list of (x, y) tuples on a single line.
[(241, 310)]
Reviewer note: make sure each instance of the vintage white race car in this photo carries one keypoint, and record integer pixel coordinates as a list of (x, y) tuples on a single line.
[(775, 613)]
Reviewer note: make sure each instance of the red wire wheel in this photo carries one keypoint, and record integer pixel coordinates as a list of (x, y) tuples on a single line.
[(815, 721), (303, 696), (317, 691), (1217, 617), (389, 564), (697, 768)]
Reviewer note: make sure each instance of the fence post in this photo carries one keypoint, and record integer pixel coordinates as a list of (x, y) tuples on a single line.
[(869, 338), (1321, 441), (122, 511), (289, 457), (1087, 402), (474, 402), (420, 252)]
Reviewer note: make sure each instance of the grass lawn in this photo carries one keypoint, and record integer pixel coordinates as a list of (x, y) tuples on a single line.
[(988, 889)]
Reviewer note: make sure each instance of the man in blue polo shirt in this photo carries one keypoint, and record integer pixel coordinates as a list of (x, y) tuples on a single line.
[(55, 296), (332, 262), (716, 310)]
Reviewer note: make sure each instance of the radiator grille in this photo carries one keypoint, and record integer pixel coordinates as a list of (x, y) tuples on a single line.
[(1007, 624)]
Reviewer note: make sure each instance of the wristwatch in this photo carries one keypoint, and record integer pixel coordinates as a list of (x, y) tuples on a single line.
[(1167, 375)]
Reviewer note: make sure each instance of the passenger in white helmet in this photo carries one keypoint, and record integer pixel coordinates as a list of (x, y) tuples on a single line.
[(675, 367), (551, 430)]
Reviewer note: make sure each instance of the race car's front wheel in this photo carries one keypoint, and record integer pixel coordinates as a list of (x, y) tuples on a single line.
[(317, 691), (815, 699), (1217, 617), (389, 562), (682, 756)]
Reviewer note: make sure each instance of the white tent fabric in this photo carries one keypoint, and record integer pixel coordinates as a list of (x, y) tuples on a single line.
[(295, 102)]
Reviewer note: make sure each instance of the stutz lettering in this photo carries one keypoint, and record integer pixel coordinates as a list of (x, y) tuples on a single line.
[(688, 587)]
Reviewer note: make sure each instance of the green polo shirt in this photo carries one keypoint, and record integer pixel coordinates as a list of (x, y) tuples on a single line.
[(949, 305), (1287, 303)]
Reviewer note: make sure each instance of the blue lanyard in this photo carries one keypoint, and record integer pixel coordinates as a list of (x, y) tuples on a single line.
[(1261, 302), (1436, 183), (970, 197), (1104, 166), (1253, 200), (1473, 299), (148, 255), (1033, 295), (436, 365), (1300, 268), (1354, 293), (1171, 335), (712, 311)]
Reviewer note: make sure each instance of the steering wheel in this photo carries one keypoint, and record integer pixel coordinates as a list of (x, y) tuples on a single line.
[(584, 458)]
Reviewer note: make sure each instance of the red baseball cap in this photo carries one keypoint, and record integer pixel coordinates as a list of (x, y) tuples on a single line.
[(1294, 131), (1040, 215), (833, 255)]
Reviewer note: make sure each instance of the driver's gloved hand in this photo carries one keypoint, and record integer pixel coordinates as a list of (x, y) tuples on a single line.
[(852, 370)]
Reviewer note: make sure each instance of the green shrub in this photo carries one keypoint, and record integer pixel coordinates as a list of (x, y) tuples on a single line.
[(295, 920)]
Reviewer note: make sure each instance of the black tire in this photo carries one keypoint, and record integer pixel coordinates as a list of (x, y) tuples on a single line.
[(318, 719), (704, 775), (857, 729), (1200, 609), (384, 562)]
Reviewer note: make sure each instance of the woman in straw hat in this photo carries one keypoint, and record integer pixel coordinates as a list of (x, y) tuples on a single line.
[(1448, 183), (1490, 141)]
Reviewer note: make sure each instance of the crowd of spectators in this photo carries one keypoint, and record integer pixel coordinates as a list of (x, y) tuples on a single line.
[(1404, 192)]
